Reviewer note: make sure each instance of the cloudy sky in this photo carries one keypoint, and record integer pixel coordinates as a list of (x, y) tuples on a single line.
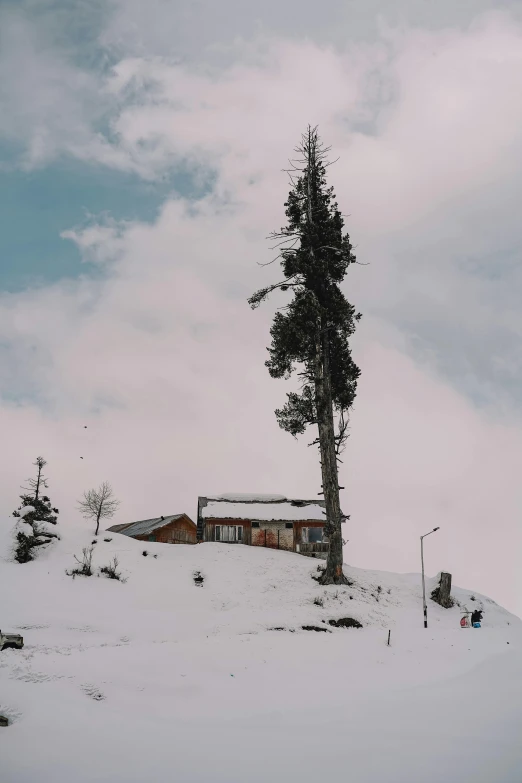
[(141, 153)]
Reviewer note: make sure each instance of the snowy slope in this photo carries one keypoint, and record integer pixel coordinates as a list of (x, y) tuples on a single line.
[(159, 679)]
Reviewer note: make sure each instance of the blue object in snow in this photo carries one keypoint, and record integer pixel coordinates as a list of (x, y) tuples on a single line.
[(476, 625)]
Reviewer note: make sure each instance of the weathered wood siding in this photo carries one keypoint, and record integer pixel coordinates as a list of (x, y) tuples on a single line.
[(179, 531), (318, 549), (273, 535), (210, 528)]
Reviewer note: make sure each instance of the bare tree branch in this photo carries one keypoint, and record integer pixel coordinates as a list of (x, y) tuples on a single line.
[(98, 504), (342, 434)]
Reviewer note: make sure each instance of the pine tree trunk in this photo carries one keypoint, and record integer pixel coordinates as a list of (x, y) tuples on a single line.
[(333, 573), (38, 483)]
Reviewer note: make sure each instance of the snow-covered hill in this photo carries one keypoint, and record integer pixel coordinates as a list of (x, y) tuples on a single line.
[(162, 679)]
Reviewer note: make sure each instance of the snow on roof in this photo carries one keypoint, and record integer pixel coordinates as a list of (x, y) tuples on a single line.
[(145, 525), (247, 498), (283, 510)]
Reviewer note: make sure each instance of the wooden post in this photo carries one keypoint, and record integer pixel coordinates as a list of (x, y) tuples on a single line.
[(389, 634)]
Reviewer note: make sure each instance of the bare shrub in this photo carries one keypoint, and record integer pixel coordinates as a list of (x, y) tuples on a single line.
[(111, 571), (84, 567)]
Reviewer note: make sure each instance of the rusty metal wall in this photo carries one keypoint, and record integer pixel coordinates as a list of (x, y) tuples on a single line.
[(274, 535)]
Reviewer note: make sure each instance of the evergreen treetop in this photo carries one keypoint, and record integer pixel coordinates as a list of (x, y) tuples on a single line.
[(315, 257)]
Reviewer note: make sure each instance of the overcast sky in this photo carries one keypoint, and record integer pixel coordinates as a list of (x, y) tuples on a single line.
[(141, 154)]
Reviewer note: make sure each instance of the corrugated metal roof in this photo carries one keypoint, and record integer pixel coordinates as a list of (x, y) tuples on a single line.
[(147, 525), (119, 528)]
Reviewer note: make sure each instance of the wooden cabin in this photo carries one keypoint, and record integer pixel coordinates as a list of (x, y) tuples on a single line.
[(272, 521), (174, 529)]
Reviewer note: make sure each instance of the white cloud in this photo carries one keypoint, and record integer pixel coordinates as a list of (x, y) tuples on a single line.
[(162, 358), (203, 28)]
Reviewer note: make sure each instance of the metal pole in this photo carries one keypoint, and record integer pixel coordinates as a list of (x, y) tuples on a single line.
[(425, 608), (424, 605)]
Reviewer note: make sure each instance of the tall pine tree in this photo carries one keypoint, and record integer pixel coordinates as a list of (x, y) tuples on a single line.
[(36, 512), (311, 334)]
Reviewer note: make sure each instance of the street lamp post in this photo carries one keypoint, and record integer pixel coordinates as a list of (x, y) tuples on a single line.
[(424, 605)]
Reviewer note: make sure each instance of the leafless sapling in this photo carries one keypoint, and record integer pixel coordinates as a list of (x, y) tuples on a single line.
[(98, 504)]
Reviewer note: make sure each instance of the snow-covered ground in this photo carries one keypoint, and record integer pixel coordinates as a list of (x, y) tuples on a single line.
[(159, 679)]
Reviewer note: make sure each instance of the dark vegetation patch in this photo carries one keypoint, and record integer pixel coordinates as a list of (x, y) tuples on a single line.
[(111, 571), (345, 622), (315, 628), (198, 578)]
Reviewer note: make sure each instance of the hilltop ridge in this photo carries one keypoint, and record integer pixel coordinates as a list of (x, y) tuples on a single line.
[(163, 675)]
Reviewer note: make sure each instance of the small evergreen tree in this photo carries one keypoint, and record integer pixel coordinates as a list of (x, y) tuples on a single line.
[(37, 512), (40, 482), (312, 332)]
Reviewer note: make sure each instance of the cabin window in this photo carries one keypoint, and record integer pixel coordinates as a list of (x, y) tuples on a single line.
[(255, 524), (315, 535), (289, 525), (312, 535), (229, 534), (152, 537)]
